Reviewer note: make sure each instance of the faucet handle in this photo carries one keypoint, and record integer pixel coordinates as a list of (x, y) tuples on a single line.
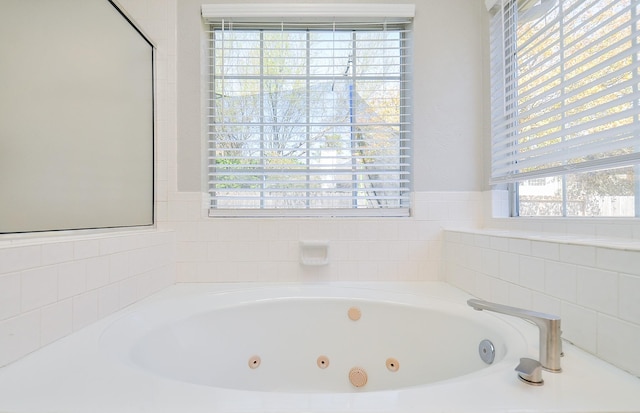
[(530, 371)]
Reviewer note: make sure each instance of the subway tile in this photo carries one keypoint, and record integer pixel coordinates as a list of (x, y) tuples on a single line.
[(187, 272), (618, 343), (580, 326), (388, 230), (85, 309), (578, 254), (468, 239), (97, 272), (129, 291), (369, 271), (474, 258), (248, 230), (629, 302), (581, 228), (269, 271), (598, 289), (427, 230), (119, 266), (346, 270), (426, 270), (520, 246), (546, 304), (183, 211), (560, 280), (327, 230), (452, 236), (483, 285), (145, 259), (499, 243), (532, 273), (338, 251), (614, 231), (436, 211), (56, 321), (218, 251), (112, 245), (367, 231), (407, 230), (71, 279), (499, 291), (520, 297), (86, 249), (240, 251), (618, 260), (509, 267), (546, 250), (289, 230), (20, 258), (39, 287), (191, 251), (435, 250), (19, 336), (247, 271), (57, 252), (491, 262), (267, 230), (9, 295), (108, 300)]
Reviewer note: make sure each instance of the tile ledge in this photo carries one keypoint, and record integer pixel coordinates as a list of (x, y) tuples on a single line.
[(39, 238), (625, 244)]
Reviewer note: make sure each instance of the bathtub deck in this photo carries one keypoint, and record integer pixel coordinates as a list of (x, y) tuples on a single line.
[(73, 375)]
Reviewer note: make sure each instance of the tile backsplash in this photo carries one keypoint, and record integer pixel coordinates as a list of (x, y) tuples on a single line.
[(375, 249), (593, 286)]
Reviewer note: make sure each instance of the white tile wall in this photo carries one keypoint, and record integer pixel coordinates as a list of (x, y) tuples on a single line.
[(392, 249), (49, 296), (593, 285)]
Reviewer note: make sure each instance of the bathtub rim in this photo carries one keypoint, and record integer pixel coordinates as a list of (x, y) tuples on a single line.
[(62, 379), (119, 336)]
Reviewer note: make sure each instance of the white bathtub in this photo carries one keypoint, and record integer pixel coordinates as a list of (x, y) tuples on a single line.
[(293, 348)]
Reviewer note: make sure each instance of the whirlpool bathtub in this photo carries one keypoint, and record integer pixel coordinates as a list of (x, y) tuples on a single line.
[(311, 348)]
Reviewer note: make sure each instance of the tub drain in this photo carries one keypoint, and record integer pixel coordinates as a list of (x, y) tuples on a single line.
[(358, 377), (487, 351)]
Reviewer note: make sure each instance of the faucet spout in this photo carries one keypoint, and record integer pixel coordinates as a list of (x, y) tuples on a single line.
[(549, 325)]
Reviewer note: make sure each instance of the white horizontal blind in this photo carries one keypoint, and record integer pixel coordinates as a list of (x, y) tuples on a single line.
[(309, 117), (565, 77)]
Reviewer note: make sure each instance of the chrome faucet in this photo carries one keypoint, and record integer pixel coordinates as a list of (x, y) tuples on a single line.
[(549, 325)]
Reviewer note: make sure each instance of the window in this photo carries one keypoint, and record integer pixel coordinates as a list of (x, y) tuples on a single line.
[(309, 117), (565, 105)]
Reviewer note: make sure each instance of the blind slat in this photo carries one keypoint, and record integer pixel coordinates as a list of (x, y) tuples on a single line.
[(302, 111), (569, 99)]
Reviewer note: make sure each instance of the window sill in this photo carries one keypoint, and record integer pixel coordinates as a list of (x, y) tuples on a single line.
[(311, 213), (623, 244)]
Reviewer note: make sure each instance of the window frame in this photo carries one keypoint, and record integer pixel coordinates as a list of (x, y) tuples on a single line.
[(346, 11), (509, 65)]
